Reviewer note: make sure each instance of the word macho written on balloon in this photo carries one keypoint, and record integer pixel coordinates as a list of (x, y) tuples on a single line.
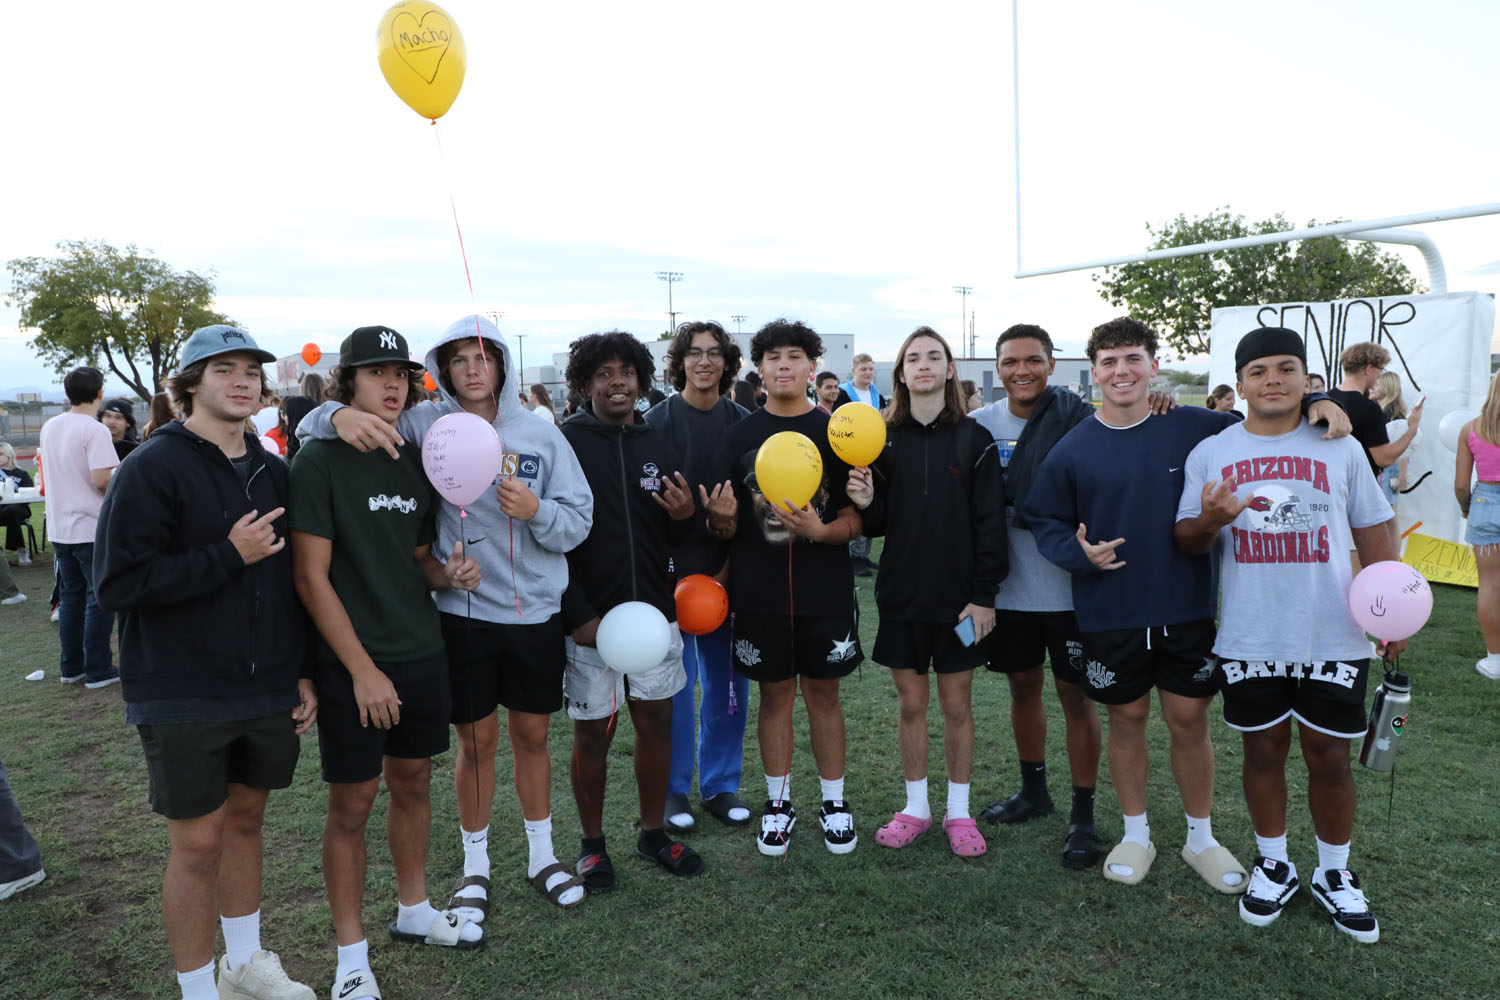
[(422, 56), (461, 456)]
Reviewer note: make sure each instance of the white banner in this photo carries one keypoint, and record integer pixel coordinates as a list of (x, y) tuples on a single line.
[(1440, 346)]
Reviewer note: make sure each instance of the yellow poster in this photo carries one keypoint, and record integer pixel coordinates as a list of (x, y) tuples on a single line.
[(1441, 561)]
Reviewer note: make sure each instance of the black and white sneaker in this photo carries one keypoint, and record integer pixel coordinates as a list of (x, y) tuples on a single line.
[(776, 828), (1272, 884), (838, 826), (1339, 892)]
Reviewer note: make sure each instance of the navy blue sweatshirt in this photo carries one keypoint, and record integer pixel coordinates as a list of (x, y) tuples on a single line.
[(1125, 482)]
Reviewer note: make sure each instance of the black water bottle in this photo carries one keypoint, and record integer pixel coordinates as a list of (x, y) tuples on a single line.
[(1388, 717)]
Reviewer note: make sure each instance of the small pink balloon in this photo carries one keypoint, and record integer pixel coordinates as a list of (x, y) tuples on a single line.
[(461, 454), (1390, 600)]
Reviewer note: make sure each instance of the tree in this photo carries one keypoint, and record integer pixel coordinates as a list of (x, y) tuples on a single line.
[(94, 301), (1177, 296)]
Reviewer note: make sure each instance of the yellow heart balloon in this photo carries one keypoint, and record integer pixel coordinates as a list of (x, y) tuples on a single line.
[(788, 466), (422, 56), (856, 433)]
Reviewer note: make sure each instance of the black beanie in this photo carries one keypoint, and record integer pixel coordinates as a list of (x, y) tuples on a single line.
[(1268, 342)]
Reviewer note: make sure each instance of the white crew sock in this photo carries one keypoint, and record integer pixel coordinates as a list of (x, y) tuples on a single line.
[(1200, 834), (418, 920), (1137, 830), (1272, 847), (352, 957), (539, 838), (476, 851), (958, 800), (916, 800), (198, 984), (1333, 855), (241, 938), (779, 787), (833, 788)]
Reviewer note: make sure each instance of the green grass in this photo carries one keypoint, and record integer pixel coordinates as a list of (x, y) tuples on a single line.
[(875, 923)]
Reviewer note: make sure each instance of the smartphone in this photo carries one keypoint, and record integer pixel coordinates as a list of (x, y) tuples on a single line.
[(965, 631)]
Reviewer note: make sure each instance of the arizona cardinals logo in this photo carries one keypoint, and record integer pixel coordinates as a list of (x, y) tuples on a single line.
[(1260, 503)]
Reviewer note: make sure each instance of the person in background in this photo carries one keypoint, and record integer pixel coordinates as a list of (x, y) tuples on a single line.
[(826, 388), (862, 386), (1387, 392), (1222, 400), (541, 402), (161, 414), (1479, 453), (314, 387), (13, 515), (1315, 383), (293, 409), (119, 416), (973, 398)]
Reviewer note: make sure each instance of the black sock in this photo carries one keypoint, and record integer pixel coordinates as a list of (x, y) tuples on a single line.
[(1083, 805), (652, 841), (591, 845), (1034, 781)]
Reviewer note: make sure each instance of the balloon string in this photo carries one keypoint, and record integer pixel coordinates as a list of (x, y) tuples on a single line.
[(437, 133)]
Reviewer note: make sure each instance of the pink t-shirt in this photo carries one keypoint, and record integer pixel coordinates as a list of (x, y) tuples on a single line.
[(71, 446), (1486, 459)]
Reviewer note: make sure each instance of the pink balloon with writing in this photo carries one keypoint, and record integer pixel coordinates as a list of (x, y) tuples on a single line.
[(461, 454), (1390, 600)]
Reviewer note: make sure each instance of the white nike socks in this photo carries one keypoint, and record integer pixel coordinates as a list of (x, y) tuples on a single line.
[(539, 839), (916, 800), (1137, 831), (476, 851), (241, 938), (1200, 834), (352, 958)]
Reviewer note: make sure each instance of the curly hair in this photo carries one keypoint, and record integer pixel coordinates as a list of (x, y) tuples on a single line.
[(785, 333), (1025, 331), (1357, 356), (587, 353), (341, 384), (1121, 332), (181, 382), (683, 339)]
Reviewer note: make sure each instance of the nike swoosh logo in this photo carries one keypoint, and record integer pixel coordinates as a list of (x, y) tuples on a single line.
[(351, 986), (1174, 468), (474, 541)]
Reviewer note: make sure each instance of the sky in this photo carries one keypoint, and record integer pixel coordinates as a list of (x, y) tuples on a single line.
[(845, 164)]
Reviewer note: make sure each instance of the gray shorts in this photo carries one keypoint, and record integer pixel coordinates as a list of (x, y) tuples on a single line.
[(594, 691)]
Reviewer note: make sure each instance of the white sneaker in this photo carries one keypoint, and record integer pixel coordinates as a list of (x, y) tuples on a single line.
[(55, 612), (25, 559), (1489, 667), (359, 983), (18, 599), (9, 889), (261, 978)]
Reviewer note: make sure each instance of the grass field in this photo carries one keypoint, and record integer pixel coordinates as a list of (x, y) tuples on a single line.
[(876, 923)]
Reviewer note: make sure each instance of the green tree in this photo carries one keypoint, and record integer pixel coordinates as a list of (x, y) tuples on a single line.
[(94, 302), (1177, 296)]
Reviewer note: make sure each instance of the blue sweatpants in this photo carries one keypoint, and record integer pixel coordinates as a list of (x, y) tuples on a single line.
[(719, 747)]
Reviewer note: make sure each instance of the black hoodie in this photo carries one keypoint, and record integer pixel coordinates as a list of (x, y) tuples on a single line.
[(626, 554), (198, 622)]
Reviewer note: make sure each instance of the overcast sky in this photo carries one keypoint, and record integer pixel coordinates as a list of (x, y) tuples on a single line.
[(841, 163)]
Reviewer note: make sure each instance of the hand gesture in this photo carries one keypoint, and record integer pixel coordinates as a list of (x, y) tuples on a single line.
[(861, 488), (802, 521), (721, 503), (462, 572), (676, 497), (1102, 555), (517, 500), (1414, 418), (306, 712), (587, 633), (366, 431), (1329, 412), (254, 538), (1220, 504), (376, 697)]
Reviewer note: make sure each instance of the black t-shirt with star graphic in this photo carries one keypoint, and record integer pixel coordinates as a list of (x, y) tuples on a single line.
[(772, 571)]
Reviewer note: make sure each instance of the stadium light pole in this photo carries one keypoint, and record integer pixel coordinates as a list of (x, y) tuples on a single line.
[(671, 278), (963, 322), (494, 315), (738, 319)]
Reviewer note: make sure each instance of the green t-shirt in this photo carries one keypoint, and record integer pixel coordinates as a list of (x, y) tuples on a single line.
[(377, 512)]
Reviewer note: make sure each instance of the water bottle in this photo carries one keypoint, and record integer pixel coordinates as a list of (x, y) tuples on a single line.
[(1388, 717)]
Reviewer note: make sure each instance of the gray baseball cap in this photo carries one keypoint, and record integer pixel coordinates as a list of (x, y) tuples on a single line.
[(211, 341)]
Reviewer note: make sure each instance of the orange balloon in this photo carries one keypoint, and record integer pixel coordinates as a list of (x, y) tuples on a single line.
[(428, 382), (702, 604), (312, 354)]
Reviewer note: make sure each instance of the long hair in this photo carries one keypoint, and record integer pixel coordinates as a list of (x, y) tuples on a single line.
[(161, 413), (900, 405), (1391, 406), (1487, 424), (1219, 395)]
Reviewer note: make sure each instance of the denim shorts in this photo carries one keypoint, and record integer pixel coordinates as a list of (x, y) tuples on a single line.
[(1388, 476), (1484, 515)]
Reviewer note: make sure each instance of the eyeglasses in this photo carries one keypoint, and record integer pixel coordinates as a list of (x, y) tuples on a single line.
[(697, 353)]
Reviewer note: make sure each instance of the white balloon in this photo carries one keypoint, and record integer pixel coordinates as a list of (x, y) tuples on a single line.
[(269, 443), (633, 637), (1451, 426), (266, 419)]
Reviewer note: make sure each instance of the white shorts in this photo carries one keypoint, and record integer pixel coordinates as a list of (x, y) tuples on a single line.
[(594, 691)]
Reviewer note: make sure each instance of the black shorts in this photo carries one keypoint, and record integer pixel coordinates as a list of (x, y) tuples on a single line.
[(1328, 696), (1022, 640), (490, 664), (352, 753), (913, 645), (1121, 665), (778, 647), (192, 765)]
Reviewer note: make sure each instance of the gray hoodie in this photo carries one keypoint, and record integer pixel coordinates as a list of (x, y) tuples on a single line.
[(524, 563)]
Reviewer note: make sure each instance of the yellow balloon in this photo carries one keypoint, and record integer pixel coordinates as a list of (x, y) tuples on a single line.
[(422, 56), (856, 432), (788, 466)]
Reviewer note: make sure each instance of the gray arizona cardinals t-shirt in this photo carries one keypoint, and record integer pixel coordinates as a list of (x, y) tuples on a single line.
[(1285, 572)]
